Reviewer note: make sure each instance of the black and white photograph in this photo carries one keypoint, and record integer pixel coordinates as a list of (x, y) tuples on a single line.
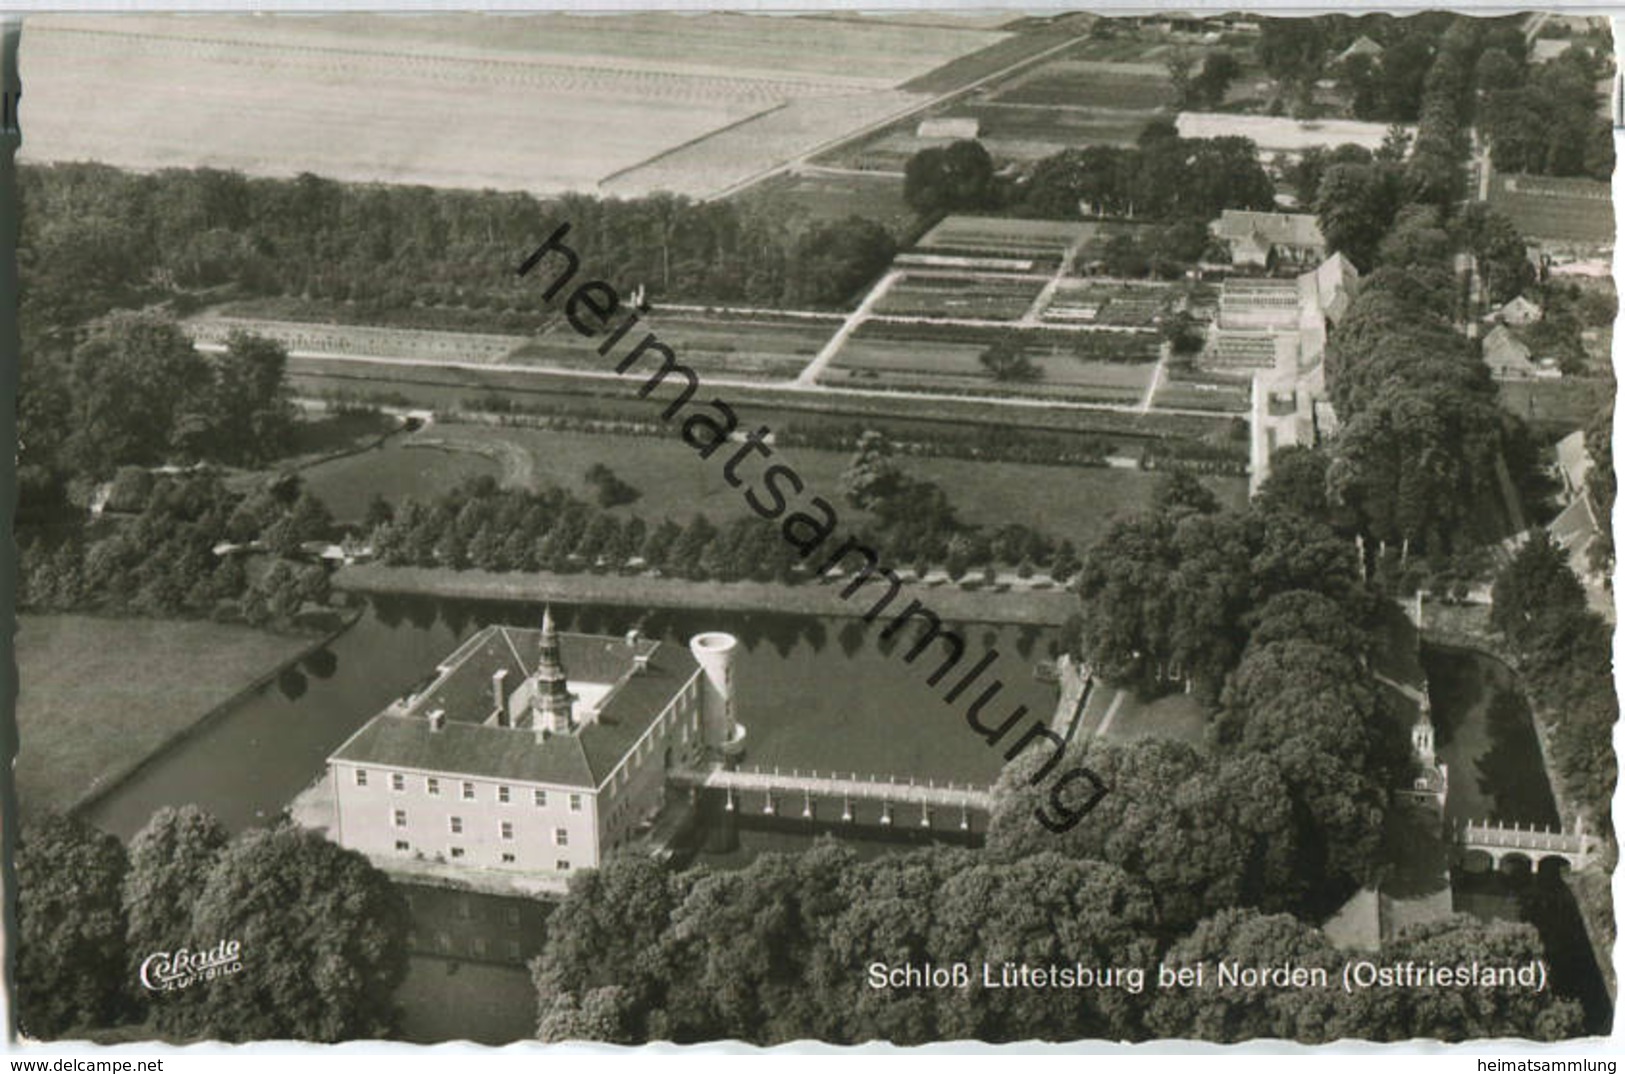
[(827, 526)]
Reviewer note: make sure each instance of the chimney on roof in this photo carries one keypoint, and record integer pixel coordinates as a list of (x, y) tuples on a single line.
[(499, 695), (633, 636), (640, 661), (437, 720)]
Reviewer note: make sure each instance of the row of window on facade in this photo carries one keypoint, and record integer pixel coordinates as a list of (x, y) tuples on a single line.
[(431, 784), (561, 836), (404, 846)]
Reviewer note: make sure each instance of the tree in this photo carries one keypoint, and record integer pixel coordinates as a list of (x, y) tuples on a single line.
[(1006, 359), (131, 383), (71, 967), (1355, 205), (308, 911), (1501, 254), (1228, 1015), (1453, 1013), (1219, 69), (953, 178), (872, 477), (1536, 584), (1179, 490), (252, 417), (1296, 483), (170, 862)]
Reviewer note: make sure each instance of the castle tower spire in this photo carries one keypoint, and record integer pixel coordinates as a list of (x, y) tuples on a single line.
[(552, 707)]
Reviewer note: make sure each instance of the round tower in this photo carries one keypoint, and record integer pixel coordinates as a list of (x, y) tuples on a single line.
[(719, 730)]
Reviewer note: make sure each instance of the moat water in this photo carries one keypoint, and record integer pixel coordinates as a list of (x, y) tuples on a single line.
[(814, 693)]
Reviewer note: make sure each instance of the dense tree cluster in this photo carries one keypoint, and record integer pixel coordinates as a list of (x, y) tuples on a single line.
[(162, 561), (95, 237), (1263, 613), (1565, 655), (955, 178), (325, 931), (484, 526), (1168, 593), (134, 391), (1546, 120), (1423, 439), (1163, 177), (782, 950)]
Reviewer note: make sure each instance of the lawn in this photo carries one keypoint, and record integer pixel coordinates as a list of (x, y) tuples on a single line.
[(403, 467), (672, 482), (1116, 715), (97, 696)]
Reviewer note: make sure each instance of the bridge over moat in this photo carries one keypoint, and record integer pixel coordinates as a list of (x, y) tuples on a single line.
[(1501, 841), (814, 796)]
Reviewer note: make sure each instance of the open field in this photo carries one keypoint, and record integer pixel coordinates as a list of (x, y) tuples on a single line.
[(997, 56), (1560, 211), (1204, 393), (96, 696), (766, 347), (1089, 84), (986, 298), (819, 197), (442, 388), (406, 344), (994, 236), (459, 101), (1109, 302), (937, 359), (1558, 405)]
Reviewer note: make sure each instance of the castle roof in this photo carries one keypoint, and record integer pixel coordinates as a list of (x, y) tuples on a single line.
[(642, 677)]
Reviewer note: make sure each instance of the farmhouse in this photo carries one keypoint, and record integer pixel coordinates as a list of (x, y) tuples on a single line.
[(1575, 529), (1269, 239), (1519, 312), (531, 751), (1509, 357), (1362, 46)]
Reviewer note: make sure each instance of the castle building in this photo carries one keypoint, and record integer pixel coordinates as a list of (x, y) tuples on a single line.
[(534, 751)]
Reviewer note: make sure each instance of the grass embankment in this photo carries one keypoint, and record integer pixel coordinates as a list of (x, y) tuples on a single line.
[(98, 696), (1043, 607)]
